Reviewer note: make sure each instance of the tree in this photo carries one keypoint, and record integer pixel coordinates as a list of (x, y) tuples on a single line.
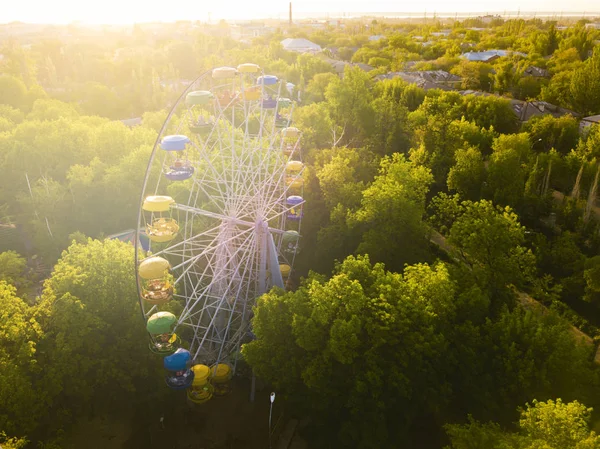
[(12, 268), (489, 112), (318, 128), (391, 212), (475, 75), (315, 90), (552, 43), (585, 86), (345, 176), (349, 101), (357, 349), (22, 403), (505, 77), (95, 341), (13, 92), (547, 424), (546, 131), (495, 252), (391, 132), (468, 173), (12, 443), (507, 169)]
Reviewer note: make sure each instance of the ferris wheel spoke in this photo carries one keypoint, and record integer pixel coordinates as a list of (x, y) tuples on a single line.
[(220, 306)]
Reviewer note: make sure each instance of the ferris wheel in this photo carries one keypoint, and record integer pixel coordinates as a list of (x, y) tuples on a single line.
[(222, 208)]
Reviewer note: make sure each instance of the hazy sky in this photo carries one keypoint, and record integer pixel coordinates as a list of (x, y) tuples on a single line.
[(123, 11)]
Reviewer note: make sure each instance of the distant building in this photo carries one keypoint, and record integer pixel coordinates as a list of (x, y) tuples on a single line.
[(594, 26), (376, 37), (524, 110), (339, 66), (586, 122), (536, 72), (441, 33), (249, 31), (476, 93), (131, 122), (300, 45), (427, 79), (489, 55)]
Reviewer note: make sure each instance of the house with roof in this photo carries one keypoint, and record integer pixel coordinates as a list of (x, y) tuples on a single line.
[(476, 93), (339, 66), (489, 55), (524, 110), (300, 45), (536, 72), (426, 79), (587, 122)]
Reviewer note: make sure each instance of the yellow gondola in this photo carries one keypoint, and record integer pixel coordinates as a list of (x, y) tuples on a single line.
[(248, 67), (160, 226), (156, 285), (201, 390)]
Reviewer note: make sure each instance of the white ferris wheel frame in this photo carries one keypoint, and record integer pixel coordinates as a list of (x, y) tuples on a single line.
[(229, 263)]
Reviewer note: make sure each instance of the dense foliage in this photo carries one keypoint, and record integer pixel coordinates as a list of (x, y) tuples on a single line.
[(437, 210)]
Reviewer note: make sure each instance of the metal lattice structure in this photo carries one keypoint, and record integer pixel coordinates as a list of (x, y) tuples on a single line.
[(230, 215)]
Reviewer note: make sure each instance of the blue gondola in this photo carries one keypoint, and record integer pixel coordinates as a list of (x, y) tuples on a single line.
[(180, 380), (267, 80), (269, 103), (179, 173)]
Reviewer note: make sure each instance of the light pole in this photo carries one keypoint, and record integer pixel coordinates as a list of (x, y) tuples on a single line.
[(270, 414)]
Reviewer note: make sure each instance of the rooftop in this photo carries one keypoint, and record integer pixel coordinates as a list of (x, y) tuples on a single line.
[(300, 45), (489, 54)]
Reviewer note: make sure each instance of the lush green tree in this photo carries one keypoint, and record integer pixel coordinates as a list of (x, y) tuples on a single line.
[(310, 66), (507, 169), (391, 133), (475, 75), (13, 92), (495, 253), (51, 109), (490, 112), (529, 88), (546, 131), (505, 77), (558, 90), (22, 403), (315, 90), (349, 103), (345, 176), (391, 213), (468, 173), (12, 268), (357, 349), (318, 128), (547, 424), (12, 443), (95, 347), (585, 86)]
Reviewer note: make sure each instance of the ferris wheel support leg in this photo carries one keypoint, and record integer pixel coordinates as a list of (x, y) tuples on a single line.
[(276, 278), (262, 230)]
